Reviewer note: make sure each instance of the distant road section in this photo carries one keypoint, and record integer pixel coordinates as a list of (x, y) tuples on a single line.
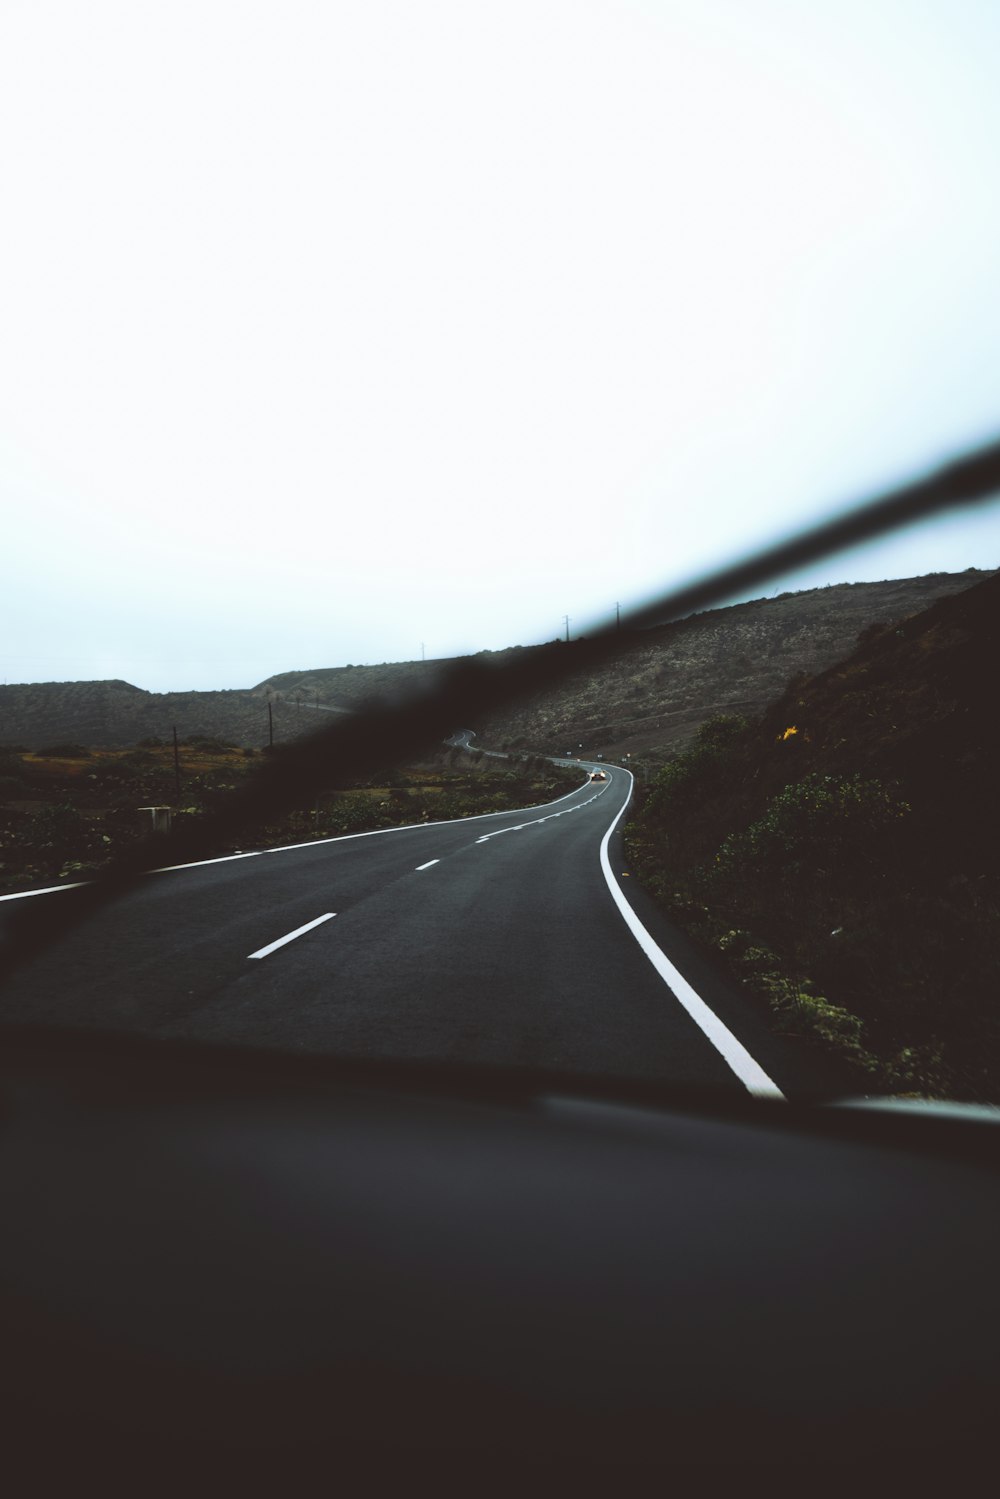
[(316, 707)]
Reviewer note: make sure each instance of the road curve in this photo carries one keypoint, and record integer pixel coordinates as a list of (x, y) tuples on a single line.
[(492, 939)]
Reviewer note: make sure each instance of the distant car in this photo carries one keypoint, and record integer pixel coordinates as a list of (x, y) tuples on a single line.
[(598, 775)]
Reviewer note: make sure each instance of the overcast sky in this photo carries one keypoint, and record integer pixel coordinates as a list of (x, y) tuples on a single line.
[(328, 330)]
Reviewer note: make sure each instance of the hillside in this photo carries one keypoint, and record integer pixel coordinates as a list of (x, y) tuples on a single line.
[(666, 681), (115, 714), (660, 686), (842, 850)]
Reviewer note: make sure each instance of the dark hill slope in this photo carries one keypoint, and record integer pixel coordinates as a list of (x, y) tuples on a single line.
[(917, 704), (852, 834)]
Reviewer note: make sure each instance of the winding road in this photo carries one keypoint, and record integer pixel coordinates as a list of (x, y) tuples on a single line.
[(512, 938)]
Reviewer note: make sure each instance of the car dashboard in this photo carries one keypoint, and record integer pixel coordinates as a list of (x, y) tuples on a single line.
[(258, 1266)]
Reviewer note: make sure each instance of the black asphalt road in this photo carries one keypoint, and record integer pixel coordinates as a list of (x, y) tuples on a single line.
[(508, 949)]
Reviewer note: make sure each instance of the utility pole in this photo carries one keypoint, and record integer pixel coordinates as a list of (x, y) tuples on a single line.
[(270, 725), (177, 765), (618, 616), (566, 623), (423, 653)]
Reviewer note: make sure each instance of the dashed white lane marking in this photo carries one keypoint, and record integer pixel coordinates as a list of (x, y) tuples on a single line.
[(427, 865), (750, 1073), (262, 952), (537, 821), (287, 848)]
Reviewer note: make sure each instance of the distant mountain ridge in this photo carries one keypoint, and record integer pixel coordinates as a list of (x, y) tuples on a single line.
[(661, 685)]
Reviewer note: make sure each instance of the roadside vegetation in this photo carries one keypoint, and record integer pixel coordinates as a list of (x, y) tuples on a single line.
[(66, 811), (839, 854)]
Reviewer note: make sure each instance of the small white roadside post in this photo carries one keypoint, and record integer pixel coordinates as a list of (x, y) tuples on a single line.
[(161, 818)]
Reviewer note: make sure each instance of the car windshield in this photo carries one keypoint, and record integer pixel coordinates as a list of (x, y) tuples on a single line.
[(405, 413)]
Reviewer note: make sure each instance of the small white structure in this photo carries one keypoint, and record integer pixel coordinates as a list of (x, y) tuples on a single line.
[(161, 818)]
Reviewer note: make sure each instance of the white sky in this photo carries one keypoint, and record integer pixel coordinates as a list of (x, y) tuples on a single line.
[(330, 329)]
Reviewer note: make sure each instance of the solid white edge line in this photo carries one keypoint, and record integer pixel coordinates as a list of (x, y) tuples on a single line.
[(734, 1053), (49, 890), (427, 865), (262, 952), (287, 848)]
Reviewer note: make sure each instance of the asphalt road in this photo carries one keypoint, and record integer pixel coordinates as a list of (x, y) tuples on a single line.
[(494, 939)]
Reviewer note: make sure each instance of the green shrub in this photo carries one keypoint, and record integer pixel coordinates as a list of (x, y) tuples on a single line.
[(701, 768), (831, 823)]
